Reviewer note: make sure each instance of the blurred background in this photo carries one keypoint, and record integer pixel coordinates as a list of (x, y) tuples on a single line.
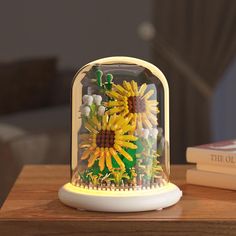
[(44, 43)]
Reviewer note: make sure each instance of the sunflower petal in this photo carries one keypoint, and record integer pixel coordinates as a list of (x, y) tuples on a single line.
[(123, 122), (126, 137), (91, 160), (129, 117), (101, 162), (142, 89), (108, 159), (104, 121), (139, 123), (90, 128), (119, 121), (126, 144), (84, 136), (153, 109), (121, 89), (127, 129), (111, 121), (134, 119), (86, 153), (152, 102), (85, 144), (152, 118), (117, 158), (123, 152), (148, 94), (93, 157), (135, 87), (114, 103), (128, 87), (125, 112), (96, 122), (113, 94), (146, 121), (115, 110)]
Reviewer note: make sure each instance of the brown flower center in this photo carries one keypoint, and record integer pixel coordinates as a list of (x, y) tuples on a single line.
[(136, 104), (105, 138)]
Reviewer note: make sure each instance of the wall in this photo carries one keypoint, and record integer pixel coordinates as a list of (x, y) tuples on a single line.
[(223, 109), (75, 31)]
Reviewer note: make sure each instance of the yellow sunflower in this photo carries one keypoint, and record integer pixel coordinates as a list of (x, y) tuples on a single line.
[(106, 139), (129, 99)]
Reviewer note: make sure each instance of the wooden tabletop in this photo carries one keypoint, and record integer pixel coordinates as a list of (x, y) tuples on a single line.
[(33, 208)]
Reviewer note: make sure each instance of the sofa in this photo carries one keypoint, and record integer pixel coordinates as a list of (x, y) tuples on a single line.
[(34, 133)]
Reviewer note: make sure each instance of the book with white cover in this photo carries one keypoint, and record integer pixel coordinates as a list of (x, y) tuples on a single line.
[(216, 168), (211, 179), (220, 153)]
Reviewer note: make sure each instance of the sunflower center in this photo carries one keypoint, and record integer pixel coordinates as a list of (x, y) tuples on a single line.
[(105, 139), (136, 104)]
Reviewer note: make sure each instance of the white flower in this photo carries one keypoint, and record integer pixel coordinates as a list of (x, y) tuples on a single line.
[(88, 100), (98, 100), (101, 110), (145, 133), (85, 98), (86, 111), (154, 132)]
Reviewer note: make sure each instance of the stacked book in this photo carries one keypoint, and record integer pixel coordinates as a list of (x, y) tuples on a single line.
[(215, 165)]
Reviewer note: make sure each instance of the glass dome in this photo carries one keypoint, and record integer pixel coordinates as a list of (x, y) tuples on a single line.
[(120, 128)]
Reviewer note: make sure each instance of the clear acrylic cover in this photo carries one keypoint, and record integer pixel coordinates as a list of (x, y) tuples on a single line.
[(120, 126)]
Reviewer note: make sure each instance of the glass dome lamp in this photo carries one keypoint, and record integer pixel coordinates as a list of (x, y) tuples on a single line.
[(120, 150)]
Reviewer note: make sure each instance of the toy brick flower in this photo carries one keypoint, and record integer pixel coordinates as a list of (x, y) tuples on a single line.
[(129, 100), (106, 140), (97, 100), (88, 100), (101, 110), (85, 110)]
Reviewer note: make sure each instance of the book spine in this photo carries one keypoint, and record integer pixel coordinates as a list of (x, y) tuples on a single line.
[(212, 157), (211, 179)]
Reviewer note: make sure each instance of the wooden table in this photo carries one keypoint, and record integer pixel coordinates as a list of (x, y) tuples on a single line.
[(33, 208)]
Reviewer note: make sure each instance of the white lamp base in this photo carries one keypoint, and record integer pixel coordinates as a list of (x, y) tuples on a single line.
[(120, 201)]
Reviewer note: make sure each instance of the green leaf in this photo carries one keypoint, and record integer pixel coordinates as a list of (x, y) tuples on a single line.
[(105, 171), (108, 83), (99, 77), (109, 78), (114, 163), (93, 109), (95, 168), (108, 86)]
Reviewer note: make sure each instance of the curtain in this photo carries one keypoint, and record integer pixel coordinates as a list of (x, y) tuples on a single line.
[(195, 41)]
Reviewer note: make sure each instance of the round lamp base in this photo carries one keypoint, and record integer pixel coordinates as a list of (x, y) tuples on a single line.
[(119, 201)]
